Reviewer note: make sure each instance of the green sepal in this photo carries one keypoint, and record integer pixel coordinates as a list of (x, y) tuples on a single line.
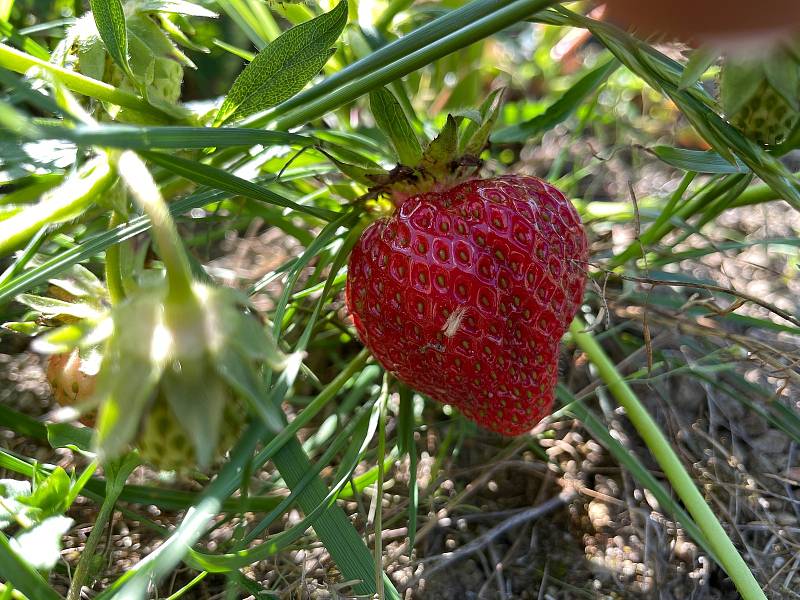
[(133, 361), (187, 386), (126, 386), (363, 175), (85, 333), (241, 333), (24, 327), (241, 376), (441, 152), (490, 109), (782, 73), (699, 62), (89, 47), (80, 282), (392, 121), (739, 82)]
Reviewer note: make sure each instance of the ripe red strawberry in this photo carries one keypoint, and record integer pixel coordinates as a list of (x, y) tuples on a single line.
[(464, 294)]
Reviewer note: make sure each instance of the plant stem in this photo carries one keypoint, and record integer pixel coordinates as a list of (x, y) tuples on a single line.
[(729, 558), (20, 62), (114, 484), (145, 191)]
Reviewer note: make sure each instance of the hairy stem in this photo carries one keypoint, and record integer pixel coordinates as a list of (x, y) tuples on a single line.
[(114, 484), (170, 248)]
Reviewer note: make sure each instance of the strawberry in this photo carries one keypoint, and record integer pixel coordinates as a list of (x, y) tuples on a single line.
[(163, 443), (464, 293), (760, 96), (72, 380), (766, 117)]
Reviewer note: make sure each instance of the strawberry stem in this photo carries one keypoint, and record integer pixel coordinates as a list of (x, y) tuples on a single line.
[(729, 558), (144, 190), (115, 482)]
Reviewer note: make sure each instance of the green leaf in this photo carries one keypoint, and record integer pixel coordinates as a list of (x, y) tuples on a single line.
[(392, 121), (699, 161), (22, 575), (51, 494), (284, 66), (64, 435), (109, 17), (561, 108), (699, 62), (40, 546)]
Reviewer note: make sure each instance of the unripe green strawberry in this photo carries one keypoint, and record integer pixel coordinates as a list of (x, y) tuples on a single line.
[(163, 443), (766, 117), (156, 63), (762, 97)]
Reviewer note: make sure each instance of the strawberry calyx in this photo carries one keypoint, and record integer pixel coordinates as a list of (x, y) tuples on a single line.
[(450, 158)]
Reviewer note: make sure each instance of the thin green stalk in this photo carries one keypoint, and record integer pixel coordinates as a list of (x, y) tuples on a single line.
[(188, 586), (114, 483), (472, 32), (20, 62), (113, 270), (729, 559), (377, 522)]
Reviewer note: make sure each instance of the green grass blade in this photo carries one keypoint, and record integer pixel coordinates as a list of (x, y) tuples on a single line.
[(147, 138), (219, 179)]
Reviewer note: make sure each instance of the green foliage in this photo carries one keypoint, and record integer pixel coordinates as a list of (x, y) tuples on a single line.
[(75, 214)]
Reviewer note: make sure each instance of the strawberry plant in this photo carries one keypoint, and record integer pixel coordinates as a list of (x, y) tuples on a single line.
[(342, 299)]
